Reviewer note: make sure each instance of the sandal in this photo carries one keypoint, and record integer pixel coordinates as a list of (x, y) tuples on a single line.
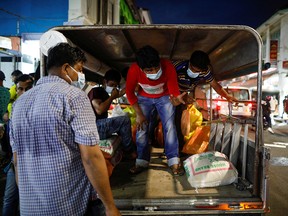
[(137, 169), (177, 170)]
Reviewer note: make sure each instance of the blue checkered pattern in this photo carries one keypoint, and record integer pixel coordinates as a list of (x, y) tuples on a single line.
[(47, 123)]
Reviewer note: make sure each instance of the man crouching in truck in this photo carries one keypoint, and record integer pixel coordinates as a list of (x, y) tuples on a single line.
[(157, 80), (101, 99), (190, 73), (54, 141)]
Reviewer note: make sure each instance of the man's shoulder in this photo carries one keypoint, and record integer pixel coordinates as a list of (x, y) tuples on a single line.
[(165, 61), (180, 65), (134, 66), (55, 89), (98, 93), (4, 89), (99, 90)]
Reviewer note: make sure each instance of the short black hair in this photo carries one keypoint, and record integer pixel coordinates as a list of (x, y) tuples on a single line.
[(16, 73), (2, 75), (112, 75), (24, 78), (147, 57), (200, 60), (64, 53)]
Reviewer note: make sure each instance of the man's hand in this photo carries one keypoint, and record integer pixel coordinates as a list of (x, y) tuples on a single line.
[(232, 99), (177, 100), (140, 121), (6, 117), (190, 99), (112, 212), (122, 92), (115, 93), (96, 171)]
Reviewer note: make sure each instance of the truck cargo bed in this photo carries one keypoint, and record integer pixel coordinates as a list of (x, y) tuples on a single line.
[(157, 182)]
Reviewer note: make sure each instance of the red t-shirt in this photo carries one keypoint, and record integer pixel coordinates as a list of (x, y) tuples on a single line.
[(165, 85)]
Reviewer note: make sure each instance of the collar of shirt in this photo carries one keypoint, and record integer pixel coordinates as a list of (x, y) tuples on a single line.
[(51, 79)]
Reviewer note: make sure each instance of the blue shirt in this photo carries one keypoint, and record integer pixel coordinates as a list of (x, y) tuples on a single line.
[(48, 123)]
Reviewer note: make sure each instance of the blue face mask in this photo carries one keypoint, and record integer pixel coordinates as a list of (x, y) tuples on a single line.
[(80, 83), (109, 89), (192, 74), (155, 76)]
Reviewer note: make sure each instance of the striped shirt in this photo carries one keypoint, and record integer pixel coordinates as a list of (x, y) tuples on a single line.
[(165, 85), (47, 123), (187, 83)]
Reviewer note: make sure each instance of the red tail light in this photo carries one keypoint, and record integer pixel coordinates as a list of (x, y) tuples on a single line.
[(218, 105)]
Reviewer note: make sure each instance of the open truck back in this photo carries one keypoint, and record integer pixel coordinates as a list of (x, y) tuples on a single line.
[(234, 51)]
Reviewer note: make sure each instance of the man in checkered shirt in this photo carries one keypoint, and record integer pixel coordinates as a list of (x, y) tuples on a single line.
[(54, 141)]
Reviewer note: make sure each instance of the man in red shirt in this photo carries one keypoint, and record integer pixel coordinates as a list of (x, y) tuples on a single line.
[(158, 89)]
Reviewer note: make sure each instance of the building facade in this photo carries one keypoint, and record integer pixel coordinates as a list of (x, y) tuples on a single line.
[(274, 33), (105, 12)]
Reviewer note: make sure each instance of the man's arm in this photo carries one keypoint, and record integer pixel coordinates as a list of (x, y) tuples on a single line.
[(15, 166), (140, 118), (219, 89), (96, 170), (102, 106)]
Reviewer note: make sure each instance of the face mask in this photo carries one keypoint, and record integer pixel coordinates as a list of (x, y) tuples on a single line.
[(154, 76), (109, 89), (81, 79), (191, 73)]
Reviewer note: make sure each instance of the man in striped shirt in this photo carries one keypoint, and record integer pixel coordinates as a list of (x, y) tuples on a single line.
[(190, 73)]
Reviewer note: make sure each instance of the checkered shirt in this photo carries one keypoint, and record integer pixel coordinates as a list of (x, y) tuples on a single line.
[(47, 123)]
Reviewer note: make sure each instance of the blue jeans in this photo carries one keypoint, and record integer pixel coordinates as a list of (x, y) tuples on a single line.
[(120, 125), (11, 195), (166, 113)]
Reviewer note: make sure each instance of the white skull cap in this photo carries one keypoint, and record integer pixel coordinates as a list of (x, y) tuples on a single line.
[(50, 39)]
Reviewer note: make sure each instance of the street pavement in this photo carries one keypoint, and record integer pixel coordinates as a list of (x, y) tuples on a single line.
[(278, 175)]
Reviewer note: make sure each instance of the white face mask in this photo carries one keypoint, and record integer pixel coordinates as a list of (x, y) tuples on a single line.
[(155, 76), (81, 79), (192, 74), (109, 89)]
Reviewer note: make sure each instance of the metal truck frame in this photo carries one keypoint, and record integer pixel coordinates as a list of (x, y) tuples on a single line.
[(234, 51)]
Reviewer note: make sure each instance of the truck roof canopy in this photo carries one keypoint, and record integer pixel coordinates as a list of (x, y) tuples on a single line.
[(233, 50)]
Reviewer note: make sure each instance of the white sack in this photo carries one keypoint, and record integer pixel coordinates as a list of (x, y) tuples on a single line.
[(209, 169)]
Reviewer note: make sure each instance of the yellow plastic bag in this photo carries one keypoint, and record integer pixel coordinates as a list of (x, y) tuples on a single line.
[(198, 142), (190, 120), (131, 113)]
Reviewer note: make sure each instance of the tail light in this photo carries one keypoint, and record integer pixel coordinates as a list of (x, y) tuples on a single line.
[(218, 105)]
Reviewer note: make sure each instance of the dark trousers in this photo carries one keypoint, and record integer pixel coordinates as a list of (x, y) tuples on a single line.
[(178, 114), (95, 208)]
